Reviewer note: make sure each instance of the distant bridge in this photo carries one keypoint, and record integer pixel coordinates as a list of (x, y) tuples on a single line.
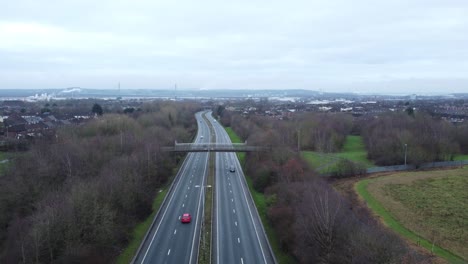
[(213, 147)]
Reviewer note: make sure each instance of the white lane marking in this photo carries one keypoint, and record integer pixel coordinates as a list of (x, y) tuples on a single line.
[(234, 210), (179, 217), (188, 188), (217, 214), (185, 166), (229, 184), (169, 252), (185, 196), (250, 211), (238, 240), (175, 231), (183, 205), (198, 212), (235, 223), (242, 261)]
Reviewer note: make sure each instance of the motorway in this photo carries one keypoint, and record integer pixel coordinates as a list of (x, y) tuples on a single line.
[(238, 233), (170, 241), (237, 236)]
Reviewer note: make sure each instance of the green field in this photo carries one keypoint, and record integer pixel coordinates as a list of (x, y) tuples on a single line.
[(424, 207), (353, 150), (461, 157)]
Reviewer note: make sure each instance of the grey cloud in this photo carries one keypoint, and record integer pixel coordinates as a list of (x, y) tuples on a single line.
[(336, 45)]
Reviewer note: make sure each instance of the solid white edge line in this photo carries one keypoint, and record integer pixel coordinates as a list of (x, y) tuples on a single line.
[(217, 213), (165, 210), (198, 209), (250, 212)]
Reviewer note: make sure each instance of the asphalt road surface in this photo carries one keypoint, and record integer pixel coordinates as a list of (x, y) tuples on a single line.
[(170, 241), (238, 232)]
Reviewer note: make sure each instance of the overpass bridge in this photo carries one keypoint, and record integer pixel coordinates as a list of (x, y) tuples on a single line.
[(213, 147)]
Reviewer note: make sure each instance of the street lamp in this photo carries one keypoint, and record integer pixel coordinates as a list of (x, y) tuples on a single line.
[(406, 148)]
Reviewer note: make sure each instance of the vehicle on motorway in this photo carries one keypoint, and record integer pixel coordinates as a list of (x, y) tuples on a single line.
[(186, 218), (201, 137), (232, 169)]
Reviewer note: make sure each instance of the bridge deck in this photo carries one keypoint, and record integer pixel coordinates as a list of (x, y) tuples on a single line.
[(213, 147)]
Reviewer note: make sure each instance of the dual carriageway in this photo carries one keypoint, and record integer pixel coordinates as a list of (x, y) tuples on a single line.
[(237, 232)]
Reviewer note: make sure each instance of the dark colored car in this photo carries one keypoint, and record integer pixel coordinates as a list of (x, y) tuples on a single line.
[(232, 169)]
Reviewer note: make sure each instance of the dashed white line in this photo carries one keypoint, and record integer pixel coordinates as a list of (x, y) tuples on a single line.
[(242, 261), (183, 205), (238, 240), (232, 200), (234, 210), (169, 252), (235, 223), (185, 196), (175, 231)]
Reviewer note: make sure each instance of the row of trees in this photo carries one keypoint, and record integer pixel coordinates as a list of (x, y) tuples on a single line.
[(314, 223), (387, 136), (423, 138), (76, 197), (309, 131)]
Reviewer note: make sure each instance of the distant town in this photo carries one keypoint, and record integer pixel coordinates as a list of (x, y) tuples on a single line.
[(33, 113)]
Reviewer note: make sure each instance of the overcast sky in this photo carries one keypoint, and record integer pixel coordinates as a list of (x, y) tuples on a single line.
[(392, 46)]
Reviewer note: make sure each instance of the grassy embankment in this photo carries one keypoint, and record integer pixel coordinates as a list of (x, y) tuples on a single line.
[(261, 205), (423, 207), (353, 150)]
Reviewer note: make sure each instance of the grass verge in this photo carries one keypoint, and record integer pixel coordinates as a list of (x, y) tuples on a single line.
[(260, 203), (353, 150), (140, 230), (394, 224)]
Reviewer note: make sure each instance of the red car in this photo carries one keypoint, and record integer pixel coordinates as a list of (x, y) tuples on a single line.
[(186, 218)]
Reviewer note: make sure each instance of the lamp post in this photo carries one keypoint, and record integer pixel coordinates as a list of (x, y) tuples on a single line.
[(406, 148)]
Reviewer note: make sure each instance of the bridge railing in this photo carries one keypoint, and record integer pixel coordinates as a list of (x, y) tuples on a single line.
[(214, 147)]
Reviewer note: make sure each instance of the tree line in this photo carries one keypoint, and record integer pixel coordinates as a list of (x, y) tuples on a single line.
[(314, 223), (387, 136), (75, 197), (421, 137)]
